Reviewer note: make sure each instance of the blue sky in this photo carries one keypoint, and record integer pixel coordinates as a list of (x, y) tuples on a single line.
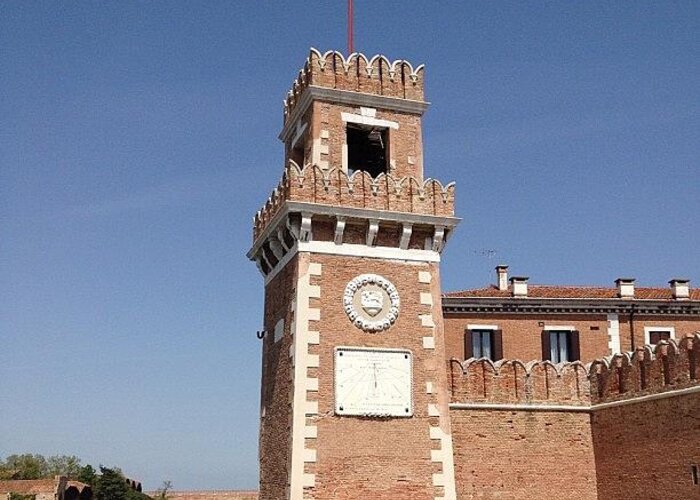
[(138, 139)]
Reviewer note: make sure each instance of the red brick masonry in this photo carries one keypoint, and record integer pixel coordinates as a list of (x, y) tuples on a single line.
[(618, 428)]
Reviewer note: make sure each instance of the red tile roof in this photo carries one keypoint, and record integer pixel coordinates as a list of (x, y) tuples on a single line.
[(571, 292)]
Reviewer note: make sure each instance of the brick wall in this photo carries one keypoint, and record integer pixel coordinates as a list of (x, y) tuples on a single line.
[(520, 452), (374, 457), (649, 370), (328, 129), (512, 381), (523, 454), (276, 386), (645, 450)]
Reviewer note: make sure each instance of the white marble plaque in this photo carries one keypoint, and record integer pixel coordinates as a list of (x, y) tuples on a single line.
[(373, 382), (371, 302)]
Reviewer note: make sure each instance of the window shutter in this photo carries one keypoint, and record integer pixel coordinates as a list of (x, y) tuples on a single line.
[(546, 346), (497, 338), (468, 344), (575, 353)]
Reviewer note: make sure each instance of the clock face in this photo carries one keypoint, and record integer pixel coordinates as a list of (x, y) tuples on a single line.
[(373, 382)]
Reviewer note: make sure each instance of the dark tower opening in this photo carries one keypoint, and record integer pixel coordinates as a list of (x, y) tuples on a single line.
[(367, 149)]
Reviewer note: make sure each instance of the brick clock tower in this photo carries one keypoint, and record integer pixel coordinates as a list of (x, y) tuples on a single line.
[(354, 400)]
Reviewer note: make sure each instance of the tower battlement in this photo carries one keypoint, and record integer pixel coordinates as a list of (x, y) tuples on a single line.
[(335, 187), (356, 73), (669, 365)]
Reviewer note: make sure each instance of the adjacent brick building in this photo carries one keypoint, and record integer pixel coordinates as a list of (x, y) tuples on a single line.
[(512, 319), (58, 488), (377, 385)]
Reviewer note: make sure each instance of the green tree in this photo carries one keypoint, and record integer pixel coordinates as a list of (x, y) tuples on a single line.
[(20, 496), (87, 475), (26, 466), (111, 485), (64, 465)]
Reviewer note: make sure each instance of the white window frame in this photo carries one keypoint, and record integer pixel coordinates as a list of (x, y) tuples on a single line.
[(563, 328), (648, 329)]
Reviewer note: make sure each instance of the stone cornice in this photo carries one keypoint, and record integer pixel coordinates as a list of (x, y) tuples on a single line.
[(490, 305), (448, 223)]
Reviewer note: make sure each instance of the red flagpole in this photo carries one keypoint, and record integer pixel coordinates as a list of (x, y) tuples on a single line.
[(350, 16)]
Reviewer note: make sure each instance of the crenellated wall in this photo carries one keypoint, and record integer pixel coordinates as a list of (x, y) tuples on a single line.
[(512, 381), (669, 365), (648, 370), (623, 427), (359, 190), (356, 73)]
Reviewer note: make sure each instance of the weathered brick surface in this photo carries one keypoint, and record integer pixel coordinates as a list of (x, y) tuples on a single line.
[(276, 386), (523, 455), (516, 382), (670, 365), (43, 489), (645, 450), (335, 187), (373, 457)]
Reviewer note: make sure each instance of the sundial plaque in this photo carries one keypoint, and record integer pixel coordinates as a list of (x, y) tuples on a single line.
[(373, 382)]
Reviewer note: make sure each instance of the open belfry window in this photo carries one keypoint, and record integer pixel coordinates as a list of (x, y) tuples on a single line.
[(367, 149), (296, 154), (297, 143), (483, 342), (560, 346)]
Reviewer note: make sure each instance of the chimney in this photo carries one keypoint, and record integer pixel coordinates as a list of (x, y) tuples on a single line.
[(502, 277), (519, 286), (680, 288), (625, 288)]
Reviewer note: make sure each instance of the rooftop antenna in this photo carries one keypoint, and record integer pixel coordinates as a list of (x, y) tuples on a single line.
[(351, 49)]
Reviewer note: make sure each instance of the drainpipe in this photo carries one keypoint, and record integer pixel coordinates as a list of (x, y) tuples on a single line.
[(632, 327)]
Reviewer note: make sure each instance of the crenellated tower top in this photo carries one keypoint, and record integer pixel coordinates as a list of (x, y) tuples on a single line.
[(353, 158), (357, 73), (356, 113)]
